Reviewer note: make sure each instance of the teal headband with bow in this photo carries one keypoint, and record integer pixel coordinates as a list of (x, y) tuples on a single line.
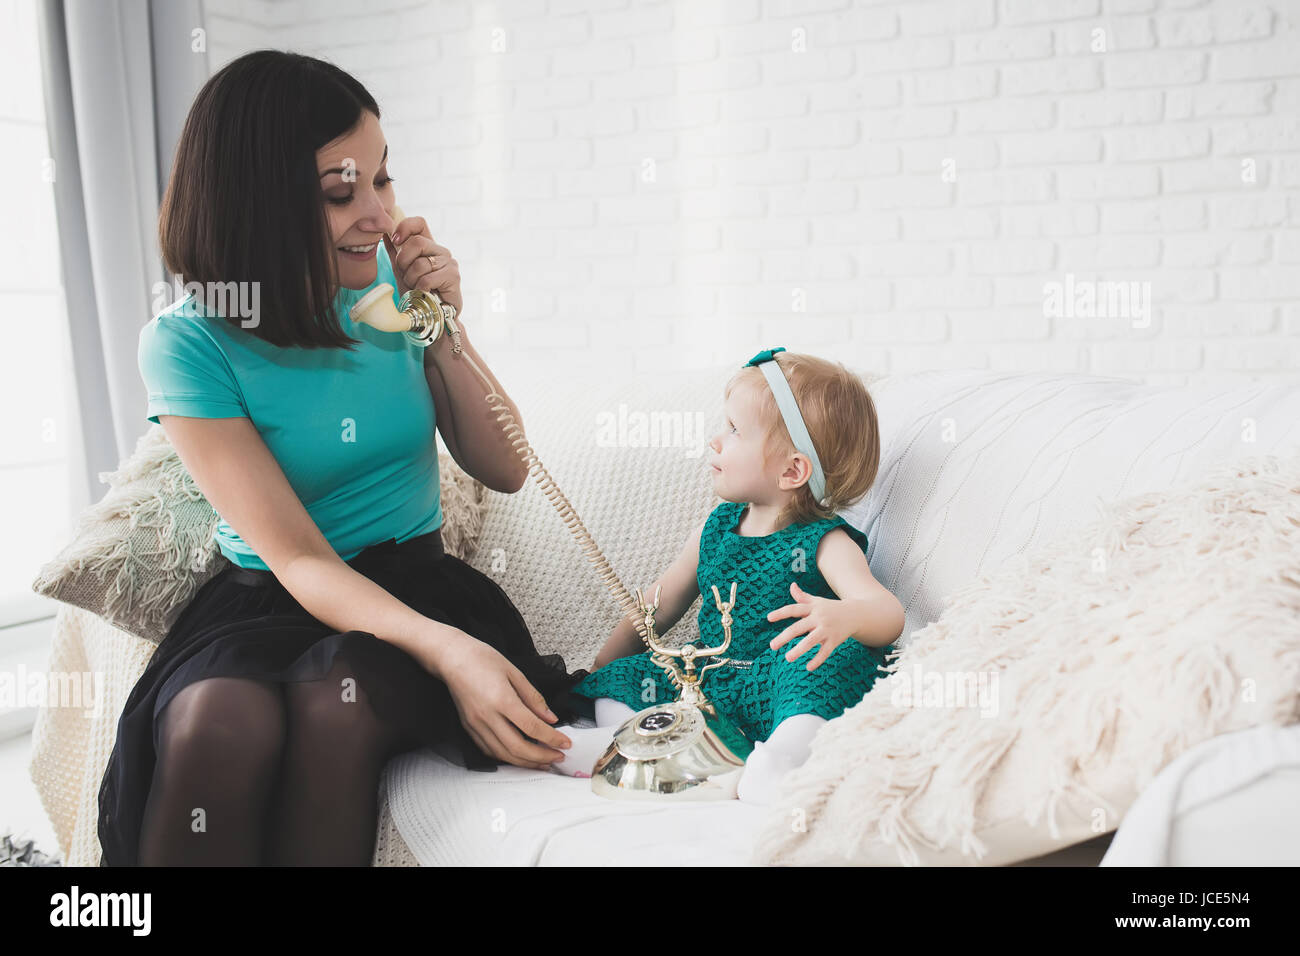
[(794, 423)]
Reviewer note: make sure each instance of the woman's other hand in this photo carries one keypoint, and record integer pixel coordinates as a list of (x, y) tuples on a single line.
[(496, 703)]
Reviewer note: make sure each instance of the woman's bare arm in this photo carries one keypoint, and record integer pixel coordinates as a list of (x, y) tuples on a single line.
[(469, 427), (244, 483)]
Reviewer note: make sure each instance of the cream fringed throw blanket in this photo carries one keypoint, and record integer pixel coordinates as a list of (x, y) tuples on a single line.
[(1173, 618)]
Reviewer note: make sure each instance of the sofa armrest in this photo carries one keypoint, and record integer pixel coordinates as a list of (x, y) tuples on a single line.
[(71, 744)]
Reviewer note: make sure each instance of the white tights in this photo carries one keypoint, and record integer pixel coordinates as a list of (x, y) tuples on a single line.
[(772, 759)]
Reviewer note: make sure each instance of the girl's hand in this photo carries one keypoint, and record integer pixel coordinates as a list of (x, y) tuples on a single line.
[(496, 703), (409, 249), (824, 621)]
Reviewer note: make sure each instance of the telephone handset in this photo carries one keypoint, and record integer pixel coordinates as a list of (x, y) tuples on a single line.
[(685, 748)]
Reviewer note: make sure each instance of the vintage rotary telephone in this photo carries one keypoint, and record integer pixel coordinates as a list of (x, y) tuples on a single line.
[(685, 749)]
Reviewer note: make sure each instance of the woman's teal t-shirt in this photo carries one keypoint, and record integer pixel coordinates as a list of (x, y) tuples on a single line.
[(354, 432)]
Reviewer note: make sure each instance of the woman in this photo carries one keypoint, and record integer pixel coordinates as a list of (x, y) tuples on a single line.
[(343, 635)]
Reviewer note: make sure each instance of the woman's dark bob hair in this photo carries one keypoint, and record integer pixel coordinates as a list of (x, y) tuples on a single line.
[(244, 201)]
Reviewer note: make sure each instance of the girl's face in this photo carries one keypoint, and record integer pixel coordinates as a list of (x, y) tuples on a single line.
[(740, 472), (358, 197)]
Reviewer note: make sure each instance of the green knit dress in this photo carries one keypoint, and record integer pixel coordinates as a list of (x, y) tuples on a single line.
[(763, 567)]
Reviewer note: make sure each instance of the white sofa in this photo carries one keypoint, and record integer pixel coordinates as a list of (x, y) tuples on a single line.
[(977, 467)]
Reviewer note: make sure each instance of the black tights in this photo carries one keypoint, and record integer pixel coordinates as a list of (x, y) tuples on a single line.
[(255, 773)]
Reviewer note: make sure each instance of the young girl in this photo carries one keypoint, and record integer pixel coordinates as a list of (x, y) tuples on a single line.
[(800, 443)]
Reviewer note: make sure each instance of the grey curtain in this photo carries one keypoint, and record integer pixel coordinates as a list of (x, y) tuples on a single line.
[(119, 77)]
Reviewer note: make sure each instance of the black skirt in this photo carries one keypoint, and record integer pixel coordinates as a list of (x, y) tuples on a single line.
[(243, 623)]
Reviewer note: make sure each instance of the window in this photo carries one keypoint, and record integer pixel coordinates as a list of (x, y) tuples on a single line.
[(38, 425)]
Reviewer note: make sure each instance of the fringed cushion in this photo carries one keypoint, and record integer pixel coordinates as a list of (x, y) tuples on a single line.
[(142, 551)]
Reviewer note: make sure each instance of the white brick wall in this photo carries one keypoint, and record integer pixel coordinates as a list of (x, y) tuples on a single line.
[(890, 183)]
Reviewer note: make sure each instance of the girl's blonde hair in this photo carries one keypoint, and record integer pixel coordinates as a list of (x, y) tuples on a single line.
[(841, 420)]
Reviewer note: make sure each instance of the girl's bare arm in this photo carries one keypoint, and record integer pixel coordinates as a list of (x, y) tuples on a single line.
[(680, 590), (880, 614)]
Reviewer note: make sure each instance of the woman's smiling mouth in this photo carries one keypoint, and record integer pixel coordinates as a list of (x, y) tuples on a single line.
[(359, 252)]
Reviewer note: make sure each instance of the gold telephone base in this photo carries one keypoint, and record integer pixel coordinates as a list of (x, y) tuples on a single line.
[(685, 749), (670, 750)]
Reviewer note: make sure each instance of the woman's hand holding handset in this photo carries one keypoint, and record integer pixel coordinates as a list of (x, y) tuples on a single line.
[(497, 705), (409, 249)]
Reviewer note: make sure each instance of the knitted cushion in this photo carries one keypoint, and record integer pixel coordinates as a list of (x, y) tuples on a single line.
[(141, 552), (1086, 664)]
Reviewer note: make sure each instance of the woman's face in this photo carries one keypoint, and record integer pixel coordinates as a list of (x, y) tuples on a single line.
[(358, 199)]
